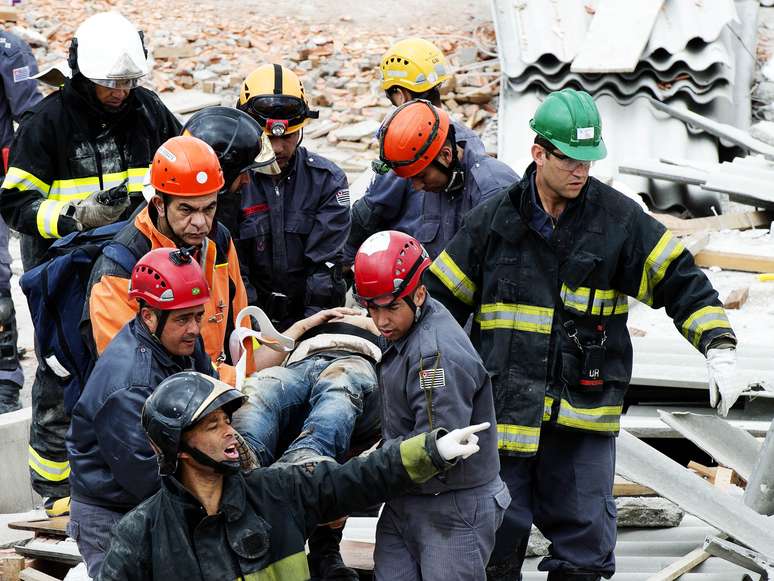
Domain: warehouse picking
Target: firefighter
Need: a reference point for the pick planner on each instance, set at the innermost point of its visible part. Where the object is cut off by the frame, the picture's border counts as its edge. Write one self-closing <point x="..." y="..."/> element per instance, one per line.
<point x="417" y="142"/>
<point x="242" y="146"/>
<point x="18" y="93"/>
<point x="412" y="68"/>
<point x="547" y="268"/>
<point x="77" y="162"/>
<point x="185" y="180"/>
<point x="210" y="521"/>
<point x="293" y="225"/>
<point x="430" y="376"/>
<point x="114" y="470"/>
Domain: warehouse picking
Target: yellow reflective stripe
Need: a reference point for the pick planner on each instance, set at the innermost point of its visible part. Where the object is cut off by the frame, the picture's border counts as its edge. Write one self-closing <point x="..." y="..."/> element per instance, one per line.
<point x="48" y="469"/>
<point x="80" y="188"/>
<point x="24" y="181"/>
<point x="703" y="320"/>
<point x="453" y="278"/>
<point x="221" y="265"/>
<point x="656" y="264"/>
<point x="292" y="567"/>
<point x="548" y="403"/>
<point x="598" y="419"/>
<point x="517" y="438"/>
<point x="604" y="299"/>
<point x="47" y="218"/>
<point x="515" y="316"/>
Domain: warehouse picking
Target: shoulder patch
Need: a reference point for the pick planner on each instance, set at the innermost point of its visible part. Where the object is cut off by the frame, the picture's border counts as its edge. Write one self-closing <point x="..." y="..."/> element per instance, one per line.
<point x="432" y="378"/>
<point x="21" y="74"/>
<point x="342" y="197"/>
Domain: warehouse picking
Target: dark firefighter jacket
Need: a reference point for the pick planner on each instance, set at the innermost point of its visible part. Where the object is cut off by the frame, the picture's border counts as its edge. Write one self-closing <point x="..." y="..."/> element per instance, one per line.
<point x="530" y="295"/>
<point x="289" y="230"/>
<point x="67" y="148"/>
<point x="112" y="463"/>
<point x="264" y="519"/>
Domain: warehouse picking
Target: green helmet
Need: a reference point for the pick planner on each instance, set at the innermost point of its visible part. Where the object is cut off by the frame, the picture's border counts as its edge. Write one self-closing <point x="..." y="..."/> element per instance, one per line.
<point x="569" y="119"/>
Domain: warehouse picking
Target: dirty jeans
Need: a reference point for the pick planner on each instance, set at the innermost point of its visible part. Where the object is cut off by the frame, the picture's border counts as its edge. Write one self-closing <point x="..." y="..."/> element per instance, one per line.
<point x="567" y="491"/>
<point x="91" y="527"/>
<point x="439" y="537"/>
<point x="314" y="403"/>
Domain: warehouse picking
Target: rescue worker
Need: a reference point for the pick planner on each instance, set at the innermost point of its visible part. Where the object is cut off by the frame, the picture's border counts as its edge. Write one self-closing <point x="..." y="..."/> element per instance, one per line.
<point x="113" y="468"/>
<point x="294" y="225"/>
<point x="417" y="142"/>
<point x="211" y="522"/>
<point x="77" y="162"/>
<point x="413" y="68"/>
<point x="430" y="376"/>
<point x="546" y="268"/>
<point x="241" y="146"/>
<point x="18" y="93"/>
<point x="185" y="179"/>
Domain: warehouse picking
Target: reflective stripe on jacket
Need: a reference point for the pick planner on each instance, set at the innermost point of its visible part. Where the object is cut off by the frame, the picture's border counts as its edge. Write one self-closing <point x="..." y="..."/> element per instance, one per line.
<point x="522" y="289"/>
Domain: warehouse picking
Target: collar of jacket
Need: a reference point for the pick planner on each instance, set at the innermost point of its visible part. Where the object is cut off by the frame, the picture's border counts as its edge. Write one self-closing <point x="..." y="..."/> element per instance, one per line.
<point x="160" y="354"/>
<point x="426" y="309"/>
<point x="232" y="501"/>
<point x="145" y="223"/>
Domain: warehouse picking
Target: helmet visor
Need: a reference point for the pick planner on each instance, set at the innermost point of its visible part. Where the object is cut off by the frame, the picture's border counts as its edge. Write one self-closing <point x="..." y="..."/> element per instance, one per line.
<point x="122" y="84"/>
<point x="281" y="107"/>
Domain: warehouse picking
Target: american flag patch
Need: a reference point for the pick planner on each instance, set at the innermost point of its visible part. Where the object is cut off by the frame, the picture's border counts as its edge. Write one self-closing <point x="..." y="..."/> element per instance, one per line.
<point x="342" y="197"/>
<point x="432" y="378"/>
<point x="21" y="74"/>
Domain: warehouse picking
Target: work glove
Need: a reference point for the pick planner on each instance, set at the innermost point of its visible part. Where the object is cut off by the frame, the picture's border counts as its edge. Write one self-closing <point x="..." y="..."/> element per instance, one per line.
<point x="460" y="443"/>
<point x="725" y="386"/>
<point x="100" y="208"/>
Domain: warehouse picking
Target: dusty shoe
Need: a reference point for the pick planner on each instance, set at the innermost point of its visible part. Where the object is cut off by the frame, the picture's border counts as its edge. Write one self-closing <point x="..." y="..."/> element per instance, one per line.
<point x="303" y="456"/>
<point x="9" y="397"/>
<point x="56" y="506"/>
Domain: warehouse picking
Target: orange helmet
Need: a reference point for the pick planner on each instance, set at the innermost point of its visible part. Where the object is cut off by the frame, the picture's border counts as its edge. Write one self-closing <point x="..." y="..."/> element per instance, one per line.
<point x="411" y="138"/>
<point x="186" y="166"/>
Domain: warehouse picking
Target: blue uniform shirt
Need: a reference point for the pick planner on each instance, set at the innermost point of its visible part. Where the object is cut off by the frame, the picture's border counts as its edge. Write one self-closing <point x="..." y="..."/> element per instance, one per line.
<point x="18" y="91"/>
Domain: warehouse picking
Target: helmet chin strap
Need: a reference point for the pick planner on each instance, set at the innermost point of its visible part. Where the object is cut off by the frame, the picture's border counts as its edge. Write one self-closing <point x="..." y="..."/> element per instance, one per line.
<point x="454" y="171"/>
<point x="224" y="467"/>
<point x="414" y="308"/>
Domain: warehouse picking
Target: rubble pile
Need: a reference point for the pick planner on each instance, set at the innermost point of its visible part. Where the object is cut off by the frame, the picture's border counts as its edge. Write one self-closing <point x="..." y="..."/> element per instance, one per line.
<point x="210" y="50"/>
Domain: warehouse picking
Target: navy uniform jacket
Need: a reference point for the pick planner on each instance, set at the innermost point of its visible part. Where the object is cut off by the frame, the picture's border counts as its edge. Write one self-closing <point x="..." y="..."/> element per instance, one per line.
<point x="436" y="354"/>
<point x="18" y="91"/>
<point x="390" y="203"/>
<point x="309" y="207"/>
<point x="112" y="463"/>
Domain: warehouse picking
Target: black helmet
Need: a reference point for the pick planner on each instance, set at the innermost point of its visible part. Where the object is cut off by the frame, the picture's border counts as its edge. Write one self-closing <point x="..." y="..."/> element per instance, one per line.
<point x="176" y="405"/>
<point x="237" y="139"/>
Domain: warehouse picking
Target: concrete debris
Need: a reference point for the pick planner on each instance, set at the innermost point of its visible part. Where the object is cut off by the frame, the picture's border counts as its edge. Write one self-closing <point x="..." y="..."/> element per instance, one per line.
<point x="647" y="512"/>
<point x="736" y="298"/>
<point x="538" y="545"/>
<point x="357" y="131"/>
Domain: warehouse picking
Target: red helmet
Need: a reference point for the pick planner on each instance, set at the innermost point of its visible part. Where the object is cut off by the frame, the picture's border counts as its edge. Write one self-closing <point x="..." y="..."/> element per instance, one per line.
<point x="388" y="267"/>
<point x="186" y="166"/>
<point x="168" y="279"/>
<point x="411" y="138"/>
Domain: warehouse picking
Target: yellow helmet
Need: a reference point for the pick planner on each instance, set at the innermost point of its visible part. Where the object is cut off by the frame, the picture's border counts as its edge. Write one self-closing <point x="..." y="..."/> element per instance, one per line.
<point x="414" y="64"/>
<point x="274" y="96"/>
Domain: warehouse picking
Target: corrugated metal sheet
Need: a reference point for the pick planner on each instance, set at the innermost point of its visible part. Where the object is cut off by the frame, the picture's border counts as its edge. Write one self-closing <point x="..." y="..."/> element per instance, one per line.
<point x="682" y="21"/>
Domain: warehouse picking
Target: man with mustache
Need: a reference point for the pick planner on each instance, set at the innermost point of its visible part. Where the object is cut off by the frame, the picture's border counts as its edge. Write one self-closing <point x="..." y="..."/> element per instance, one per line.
<point x="185" y="180"/>
<point x="113" y="468"/>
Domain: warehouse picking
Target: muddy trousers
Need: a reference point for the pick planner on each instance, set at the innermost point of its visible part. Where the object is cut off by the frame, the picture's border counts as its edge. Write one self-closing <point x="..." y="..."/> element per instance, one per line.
<point x="49" y="468"/>
<point x="567" y="491"/>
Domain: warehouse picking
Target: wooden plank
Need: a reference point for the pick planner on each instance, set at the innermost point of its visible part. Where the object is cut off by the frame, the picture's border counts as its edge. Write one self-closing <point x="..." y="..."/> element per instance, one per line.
<point x="735" y="221"/>
<point x="616" y="36"/>
<point x="623" y="487"/>
<point x="35" y="575"/>
<point x="735" y="261"/>
<point x="723" y="478"/>
<point x="681" y="566"/>
<point x="10" y="566"/>
<point x="695" y="243"/>
<point x="736" y="298"/>
<point x="9" y="14"/>
<point x="53" y="526"/>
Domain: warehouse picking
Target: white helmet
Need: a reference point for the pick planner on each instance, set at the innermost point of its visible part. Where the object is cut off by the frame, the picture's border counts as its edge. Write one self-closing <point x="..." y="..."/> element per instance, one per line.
<point x="108" y="50"/>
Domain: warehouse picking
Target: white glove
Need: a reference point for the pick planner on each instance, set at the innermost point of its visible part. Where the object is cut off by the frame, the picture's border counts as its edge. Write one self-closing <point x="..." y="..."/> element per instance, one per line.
<point x="725" y="385"/>
<point x="460" y="443"/>
<point x="100" y="208"/>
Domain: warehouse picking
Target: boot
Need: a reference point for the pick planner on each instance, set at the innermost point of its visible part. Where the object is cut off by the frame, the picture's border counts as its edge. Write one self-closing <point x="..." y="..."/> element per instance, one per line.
<point x="325" y="562"/>
<point x="573" y="575"/>
<point x="9" y="397"/>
